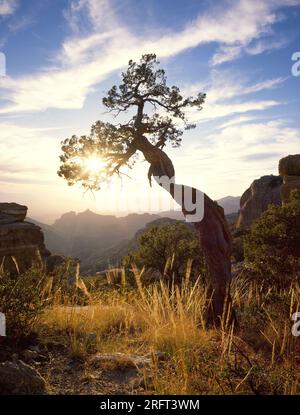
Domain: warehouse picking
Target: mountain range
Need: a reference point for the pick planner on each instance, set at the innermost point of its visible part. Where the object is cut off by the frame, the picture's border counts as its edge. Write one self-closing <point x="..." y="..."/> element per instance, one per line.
<point x="99" y="240"/>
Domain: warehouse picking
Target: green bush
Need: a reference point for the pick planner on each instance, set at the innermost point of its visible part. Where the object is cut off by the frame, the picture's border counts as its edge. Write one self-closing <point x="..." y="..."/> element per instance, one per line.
<point x="23" y="297"/>
<point x="272" y="248"/>
<point x="21" y="300"/>
<point x="172" y="244"/>
<point x="238" y="240"/>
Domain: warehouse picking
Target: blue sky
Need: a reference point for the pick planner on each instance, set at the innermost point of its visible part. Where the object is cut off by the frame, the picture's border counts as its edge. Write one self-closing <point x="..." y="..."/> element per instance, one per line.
<point x="62" y="55"/>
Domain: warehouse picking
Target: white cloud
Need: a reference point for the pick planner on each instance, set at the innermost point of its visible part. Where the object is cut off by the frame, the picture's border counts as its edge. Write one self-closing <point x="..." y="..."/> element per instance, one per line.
<point x="226" y="53"/>
<point x="20" y="23"/>
<point x="226" y="85"/>
<point x="214" y="111"/>
<point x="265" y="45"/>
<point x="238" y="141"/>
<point x="231" y="158"/>
<point x="22" y="152"/>
<point x="259" y="24"/>
<point x="237" y="121"/>
<point x="8" y="7"/>
<point x="226" y="93"/>
<point x="85" y="60"/>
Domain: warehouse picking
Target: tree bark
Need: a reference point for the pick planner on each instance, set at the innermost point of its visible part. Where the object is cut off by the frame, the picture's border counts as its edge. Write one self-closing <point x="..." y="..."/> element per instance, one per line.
<point x="213" y="232"/>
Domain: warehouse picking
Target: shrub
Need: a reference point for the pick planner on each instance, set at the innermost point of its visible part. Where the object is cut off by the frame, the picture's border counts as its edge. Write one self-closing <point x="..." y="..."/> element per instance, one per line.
<point x="272" y="248"/>
<point x="21" y="300"/>
<point x="23" y="297"/>
<point x="168" y="249"/>
<point x="238" y="240"/>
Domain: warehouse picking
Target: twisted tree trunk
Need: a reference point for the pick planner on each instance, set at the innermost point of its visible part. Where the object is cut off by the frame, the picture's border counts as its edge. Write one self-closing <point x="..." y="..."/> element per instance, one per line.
<point x="213" y="231"/>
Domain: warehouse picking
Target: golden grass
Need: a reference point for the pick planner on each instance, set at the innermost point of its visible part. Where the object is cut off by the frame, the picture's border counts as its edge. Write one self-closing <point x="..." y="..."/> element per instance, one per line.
<point x="258" y="357"/>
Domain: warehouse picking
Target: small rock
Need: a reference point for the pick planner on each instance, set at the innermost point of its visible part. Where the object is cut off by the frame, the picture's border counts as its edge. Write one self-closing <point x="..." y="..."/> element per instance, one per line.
<point x="122" y="360"/>
<point x="35" y="348"/>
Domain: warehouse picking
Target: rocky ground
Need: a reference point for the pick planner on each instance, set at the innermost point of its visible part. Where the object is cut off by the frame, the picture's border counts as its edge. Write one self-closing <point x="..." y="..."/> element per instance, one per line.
<point x="51" y="370"/>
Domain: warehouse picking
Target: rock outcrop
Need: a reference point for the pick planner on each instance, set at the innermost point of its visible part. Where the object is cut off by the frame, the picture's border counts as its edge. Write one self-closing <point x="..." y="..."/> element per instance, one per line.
<point x="257" y="198"/>
<point x="18" y="378"/>
<point x="21" y="243"/>
<point x="12" y="212"/>
<point x="289" y="169"/>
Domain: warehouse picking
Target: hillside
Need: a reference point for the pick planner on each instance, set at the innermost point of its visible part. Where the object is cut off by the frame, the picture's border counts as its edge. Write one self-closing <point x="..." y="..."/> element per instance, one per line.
<point x="87" y="235"/>
<point x="112" y="256"/>
<point x="54" y="241"/>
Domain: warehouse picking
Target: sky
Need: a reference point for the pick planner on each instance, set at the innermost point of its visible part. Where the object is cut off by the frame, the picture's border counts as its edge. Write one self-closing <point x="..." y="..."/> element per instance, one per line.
<point x="61" y="56"/>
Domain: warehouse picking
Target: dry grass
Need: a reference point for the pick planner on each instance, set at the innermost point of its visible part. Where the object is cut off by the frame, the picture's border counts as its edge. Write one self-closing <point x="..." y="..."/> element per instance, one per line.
<point x="258" y="357"/>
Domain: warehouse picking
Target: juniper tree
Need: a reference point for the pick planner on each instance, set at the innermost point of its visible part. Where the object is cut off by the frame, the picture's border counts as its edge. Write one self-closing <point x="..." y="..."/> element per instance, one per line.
<point x="157" y="115"/>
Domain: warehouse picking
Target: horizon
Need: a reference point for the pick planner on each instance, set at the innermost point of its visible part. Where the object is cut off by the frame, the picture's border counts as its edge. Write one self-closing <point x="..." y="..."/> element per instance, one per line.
<point x="55" y="80"/>
<point x="51" y="220"/>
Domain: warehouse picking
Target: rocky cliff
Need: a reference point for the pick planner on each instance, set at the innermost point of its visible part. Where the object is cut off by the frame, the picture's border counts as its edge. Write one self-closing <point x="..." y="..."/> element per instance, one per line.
<point x="289" y="169"/>
<point x="21" y="243"/>
<point x="257" y="198"/>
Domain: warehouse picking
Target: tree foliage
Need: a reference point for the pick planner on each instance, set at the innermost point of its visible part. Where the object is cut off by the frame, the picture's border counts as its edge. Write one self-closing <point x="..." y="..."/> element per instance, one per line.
<point x="155" y="111"/>
<point x="272" y="248"/>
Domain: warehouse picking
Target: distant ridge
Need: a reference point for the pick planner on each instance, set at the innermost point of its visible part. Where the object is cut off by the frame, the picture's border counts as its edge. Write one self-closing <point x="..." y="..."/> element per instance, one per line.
<point x="230" y="204"/>
<point x="90" y="236"/>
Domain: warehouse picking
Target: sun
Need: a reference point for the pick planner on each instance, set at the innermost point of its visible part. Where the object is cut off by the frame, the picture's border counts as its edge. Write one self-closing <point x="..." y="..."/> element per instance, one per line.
<point x="94" y="164"/>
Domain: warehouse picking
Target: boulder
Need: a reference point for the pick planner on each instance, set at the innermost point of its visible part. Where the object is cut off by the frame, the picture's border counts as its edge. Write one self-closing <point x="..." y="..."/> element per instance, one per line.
<point x="290" y="165"/>
<point x="257" y="198"/>
<point x="289" y="169"/>
<point x="21" y="243"/>
<point x="289" y="183"/>
<point x="18" y="378"/>
<point x="13" y="211"/>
